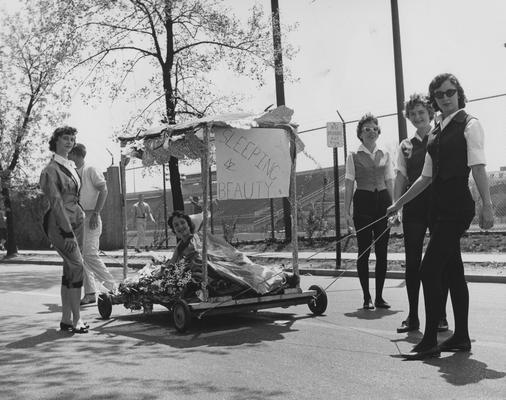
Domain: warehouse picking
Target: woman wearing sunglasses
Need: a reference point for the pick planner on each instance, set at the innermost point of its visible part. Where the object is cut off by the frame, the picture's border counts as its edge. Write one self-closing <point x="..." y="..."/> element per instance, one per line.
<point x="454" y="149"/>
<point x="415" y="215"/>
<point x="370" y="167"/>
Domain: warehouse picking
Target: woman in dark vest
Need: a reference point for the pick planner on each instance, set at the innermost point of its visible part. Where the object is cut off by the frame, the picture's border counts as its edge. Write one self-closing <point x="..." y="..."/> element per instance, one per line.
<point x="454" y="149"/>
<point x="370" y="167"/>
<point x="415" y="214"/>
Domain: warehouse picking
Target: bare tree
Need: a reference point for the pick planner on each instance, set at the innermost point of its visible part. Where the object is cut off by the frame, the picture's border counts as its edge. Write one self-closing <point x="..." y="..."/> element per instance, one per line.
<point x="37" y="42"/>
<point x="181" y="43"/>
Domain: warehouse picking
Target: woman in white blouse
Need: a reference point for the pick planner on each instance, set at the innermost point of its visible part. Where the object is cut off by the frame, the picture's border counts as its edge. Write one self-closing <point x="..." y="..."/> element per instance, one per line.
<point x="454" y="149"/>
<point x="370" y="167"/>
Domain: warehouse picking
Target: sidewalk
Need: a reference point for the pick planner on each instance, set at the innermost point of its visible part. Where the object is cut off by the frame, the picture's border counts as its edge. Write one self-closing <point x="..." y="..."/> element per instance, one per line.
<point x="478" y="265"/>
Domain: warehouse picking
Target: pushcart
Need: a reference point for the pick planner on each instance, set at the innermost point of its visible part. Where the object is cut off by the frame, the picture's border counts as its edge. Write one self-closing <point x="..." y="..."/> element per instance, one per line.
<point x="199" y="139"/>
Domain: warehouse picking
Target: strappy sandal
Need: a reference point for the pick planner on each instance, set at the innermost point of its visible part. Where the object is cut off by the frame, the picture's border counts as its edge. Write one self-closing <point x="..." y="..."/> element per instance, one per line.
<point x="81" y="329"/>
<point x="68" y="327"/>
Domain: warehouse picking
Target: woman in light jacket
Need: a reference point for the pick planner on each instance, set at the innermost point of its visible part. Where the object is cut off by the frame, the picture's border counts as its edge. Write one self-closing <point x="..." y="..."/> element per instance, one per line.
<point x="63" y="224"/>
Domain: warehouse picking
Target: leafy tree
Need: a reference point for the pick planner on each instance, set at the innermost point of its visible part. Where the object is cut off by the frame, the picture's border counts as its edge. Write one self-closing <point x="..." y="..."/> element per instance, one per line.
<point x="178" y="45"/>
<point x="36" y="43"/>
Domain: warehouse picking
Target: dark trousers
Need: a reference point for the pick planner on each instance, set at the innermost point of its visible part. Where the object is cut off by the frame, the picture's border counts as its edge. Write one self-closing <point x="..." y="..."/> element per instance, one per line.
<point x="414" y="235"/>
<point x="368" y="207"/>
<point x="441" y="265"/>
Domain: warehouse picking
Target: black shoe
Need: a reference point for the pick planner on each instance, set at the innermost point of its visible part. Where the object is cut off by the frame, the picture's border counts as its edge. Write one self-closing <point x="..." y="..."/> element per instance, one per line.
<point x="409" y="325"/>
<point x="430" y="352"/>
<point x="381" y="304"/>
<point x="452" y="344"/>
<point x="368" y="305"/>
<point x="443" y="325"/>
<point x="66" y="327"/>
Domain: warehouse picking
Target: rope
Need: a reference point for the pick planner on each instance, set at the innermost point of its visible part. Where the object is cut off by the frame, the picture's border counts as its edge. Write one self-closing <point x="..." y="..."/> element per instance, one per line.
<point x="346" y="236"/>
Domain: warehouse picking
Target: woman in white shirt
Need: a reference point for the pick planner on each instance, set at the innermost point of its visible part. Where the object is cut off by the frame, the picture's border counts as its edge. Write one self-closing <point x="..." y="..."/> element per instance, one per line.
<point x="370" y="167"/>
<point x="454" y="149"/>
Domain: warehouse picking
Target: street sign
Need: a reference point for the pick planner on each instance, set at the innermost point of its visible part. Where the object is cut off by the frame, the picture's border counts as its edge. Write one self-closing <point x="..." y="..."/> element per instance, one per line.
<point x="335" y="135"/>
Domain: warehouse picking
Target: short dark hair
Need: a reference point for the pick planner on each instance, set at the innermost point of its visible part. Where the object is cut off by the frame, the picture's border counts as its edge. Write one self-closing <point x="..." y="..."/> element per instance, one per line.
<point x="58" y="132"/>
<point x="79" y="150"/>
<point x="365" y="119"/>
<point x="438" y="81"/>
<point x="419" y="99"/>
<point x="180" y="214"/>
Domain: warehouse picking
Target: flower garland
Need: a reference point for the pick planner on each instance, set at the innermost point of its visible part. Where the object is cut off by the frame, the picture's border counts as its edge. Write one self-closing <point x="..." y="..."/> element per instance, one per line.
<point x="158" y="282"/>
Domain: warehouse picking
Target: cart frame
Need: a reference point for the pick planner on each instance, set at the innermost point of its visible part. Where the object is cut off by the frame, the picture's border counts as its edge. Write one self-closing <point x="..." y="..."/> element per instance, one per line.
<point x="182" y="310"/>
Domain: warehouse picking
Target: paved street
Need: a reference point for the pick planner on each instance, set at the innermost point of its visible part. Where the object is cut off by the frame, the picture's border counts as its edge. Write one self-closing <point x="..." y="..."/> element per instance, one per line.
<point x="276" y="354"/>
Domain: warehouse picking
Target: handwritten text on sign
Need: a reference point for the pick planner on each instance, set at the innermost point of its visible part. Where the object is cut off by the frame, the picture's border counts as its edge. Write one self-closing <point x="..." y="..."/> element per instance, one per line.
<point x="252" y="163"/>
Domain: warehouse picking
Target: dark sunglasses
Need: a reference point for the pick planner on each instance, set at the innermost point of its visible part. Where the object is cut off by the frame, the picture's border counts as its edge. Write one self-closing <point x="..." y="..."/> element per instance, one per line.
<point x="449" y="93"/>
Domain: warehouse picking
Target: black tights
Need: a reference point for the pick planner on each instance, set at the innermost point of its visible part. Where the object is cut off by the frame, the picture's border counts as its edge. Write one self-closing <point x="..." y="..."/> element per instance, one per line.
<point x="443" y="263"/>
<point x="368" y="207"/>
<point x="414" y="234"/>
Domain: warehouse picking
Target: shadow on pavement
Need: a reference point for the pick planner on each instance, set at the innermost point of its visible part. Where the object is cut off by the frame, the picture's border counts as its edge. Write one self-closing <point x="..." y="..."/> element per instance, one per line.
<point x="459" y="369"/>
<point x="371" y="314"/>
<point x="212" y="331"/>
<point x="50" y="335"/>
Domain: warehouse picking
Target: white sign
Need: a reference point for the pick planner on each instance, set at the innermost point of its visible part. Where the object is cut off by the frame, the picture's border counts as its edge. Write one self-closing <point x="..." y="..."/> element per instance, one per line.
<point x="252" y="163"/>
<point x="335" y="134"/>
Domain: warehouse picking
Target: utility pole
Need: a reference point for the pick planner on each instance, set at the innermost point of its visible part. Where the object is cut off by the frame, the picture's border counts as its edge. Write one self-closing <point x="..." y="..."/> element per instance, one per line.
<point x="280" y="98"/>
<point x="399" y="82"/>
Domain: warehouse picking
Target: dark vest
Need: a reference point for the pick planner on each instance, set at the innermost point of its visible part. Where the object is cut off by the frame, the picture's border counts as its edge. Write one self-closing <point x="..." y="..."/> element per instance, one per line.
<point x="417" y="210"/>
<point x="414" y="164"/>
<point x="452" y="199"/>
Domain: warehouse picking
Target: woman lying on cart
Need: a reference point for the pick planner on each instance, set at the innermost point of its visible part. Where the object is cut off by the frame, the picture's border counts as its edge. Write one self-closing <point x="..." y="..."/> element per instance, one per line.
<point x="230" y="272"/>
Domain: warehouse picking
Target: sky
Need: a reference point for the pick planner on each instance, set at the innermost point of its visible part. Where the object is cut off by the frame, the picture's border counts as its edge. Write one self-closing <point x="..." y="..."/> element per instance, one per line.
<point x="345" y="62"/>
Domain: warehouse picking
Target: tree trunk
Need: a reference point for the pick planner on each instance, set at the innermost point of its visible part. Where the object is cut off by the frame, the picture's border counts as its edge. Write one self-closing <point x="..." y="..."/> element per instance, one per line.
<point x="11" y="246"/>
<point x="175" y="184"/>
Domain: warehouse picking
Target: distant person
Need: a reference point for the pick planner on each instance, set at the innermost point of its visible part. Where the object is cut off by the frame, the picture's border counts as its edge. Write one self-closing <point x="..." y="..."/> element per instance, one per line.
<point x="92" y="198"/>
<point x="63" y="224"/>
<point x="141" y="213"/>
<point x="3" y="230"/>
<point x="415" y="214"/>
<point x="370" y="167"/>
<point x="454" y="149"/>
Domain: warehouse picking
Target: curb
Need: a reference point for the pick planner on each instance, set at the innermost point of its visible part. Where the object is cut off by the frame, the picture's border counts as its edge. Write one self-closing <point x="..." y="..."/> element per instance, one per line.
<point x="303" y="271"/>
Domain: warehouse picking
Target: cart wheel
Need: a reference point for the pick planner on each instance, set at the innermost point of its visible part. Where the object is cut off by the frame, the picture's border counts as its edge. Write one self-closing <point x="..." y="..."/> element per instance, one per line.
<point x="182" y="315"/>
<point x="104" y="305"/>
<point x="318" y="304"/>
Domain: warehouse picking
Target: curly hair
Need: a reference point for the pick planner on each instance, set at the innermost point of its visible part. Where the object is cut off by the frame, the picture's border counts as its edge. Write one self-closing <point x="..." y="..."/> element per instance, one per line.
<point x="438" y="81"/>
<point x="365" y="119"/>
<point x="419" y="99"/>
<point x="59" y="132"/>
<point x="180" y="214"/>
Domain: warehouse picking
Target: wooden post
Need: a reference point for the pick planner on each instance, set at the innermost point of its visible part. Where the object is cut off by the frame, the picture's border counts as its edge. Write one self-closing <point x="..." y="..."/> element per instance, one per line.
<point x="122" y="165"/>
<point x="293" y="201"/>
<point x="204" y="167"/>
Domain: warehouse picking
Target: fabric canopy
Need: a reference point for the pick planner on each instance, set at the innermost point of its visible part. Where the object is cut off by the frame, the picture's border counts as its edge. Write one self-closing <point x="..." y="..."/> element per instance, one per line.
<point x="156" y="145"/>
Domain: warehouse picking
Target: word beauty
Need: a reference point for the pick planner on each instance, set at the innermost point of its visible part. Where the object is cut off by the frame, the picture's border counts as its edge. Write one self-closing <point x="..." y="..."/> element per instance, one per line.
<point x="252" y="163"/>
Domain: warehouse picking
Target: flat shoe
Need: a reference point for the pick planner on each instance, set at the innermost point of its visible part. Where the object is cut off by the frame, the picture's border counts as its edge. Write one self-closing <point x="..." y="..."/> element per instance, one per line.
<point x="66" y="327"/>
<point x="381" y="304"/>
<point x="85" y="301"/>
<point x="407" y="326"/>
<point x="443" y="325"/>
<point x="368" y="305"/>
<point x="451" y="345"/>
<point x="431" y="352"/>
